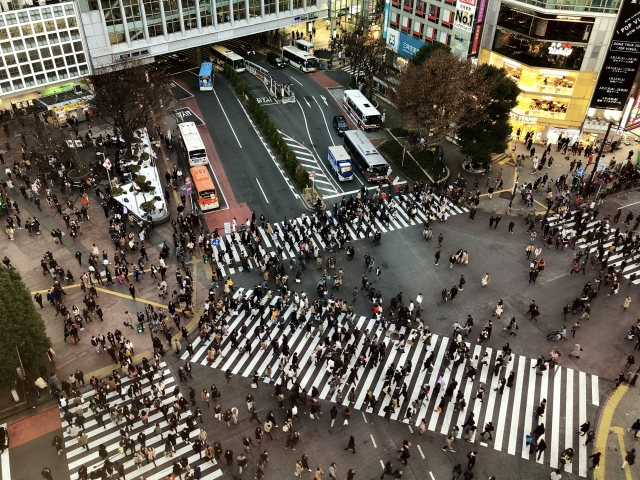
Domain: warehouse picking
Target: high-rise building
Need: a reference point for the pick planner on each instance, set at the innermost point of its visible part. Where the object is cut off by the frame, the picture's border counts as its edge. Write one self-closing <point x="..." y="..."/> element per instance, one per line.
<point x="40" y="46"/>
<point x="559" y="52"/>
<point x="50" y="45"/>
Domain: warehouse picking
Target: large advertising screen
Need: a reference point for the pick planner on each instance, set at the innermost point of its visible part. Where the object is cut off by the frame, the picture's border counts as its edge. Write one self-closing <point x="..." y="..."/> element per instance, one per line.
<point x="621" y="64"/>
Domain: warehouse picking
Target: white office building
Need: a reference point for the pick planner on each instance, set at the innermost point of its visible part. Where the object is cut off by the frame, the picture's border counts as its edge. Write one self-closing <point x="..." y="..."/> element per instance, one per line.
<point x="40" y="46"/>
<point x="53" y="45"/>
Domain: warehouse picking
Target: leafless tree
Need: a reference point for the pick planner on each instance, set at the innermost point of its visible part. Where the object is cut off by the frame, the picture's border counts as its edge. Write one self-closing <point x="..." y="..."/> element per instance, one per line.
<point x="129" y="96"/>
<point x="442" y="95"/>
<point x="365" y="53"/>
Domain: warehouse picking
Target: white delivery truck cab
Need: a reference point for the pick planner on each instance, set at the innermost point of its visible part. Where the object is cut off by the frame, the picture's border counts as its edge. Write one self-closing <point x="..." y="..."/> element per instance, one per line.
<point x="341" y="163"/>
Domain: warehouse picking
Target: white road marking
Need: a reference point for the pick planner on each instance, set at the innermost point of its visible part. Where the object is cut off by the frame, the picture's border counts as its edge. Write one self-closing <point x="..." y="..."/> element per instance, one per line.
<point x="225" y="116"/>
<point x="296" y="81"/>
<point x="365" y="418"/>
<point x="420" y="450"/>
<point x="374" y="442"/>
<point x="265" y="195"/>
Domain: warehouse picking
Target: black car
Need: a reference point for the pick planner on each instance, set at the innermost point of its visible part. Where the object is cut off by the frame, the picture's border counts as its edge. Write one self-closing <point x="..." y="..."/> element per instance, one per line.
<point x="340" y="124"/>
<point x="160" y="60"/>
<point x="246" y="49"/>
<point x="177" y="57"/>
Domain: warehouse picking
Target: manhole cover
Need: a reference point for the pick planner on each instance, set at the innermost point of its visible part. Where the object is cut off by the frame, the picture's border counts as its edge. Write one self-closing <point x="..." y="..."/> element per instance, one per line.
<point x="506" y="195"/>
<point x="393" y="335"/>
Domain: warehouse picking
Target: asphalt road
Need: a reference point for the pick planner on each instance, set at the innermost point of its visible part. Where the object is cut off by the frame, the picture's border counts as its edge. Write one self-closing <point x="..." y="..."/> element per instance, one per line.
<point x="250" y="169"/>
<point x="309" y="120"/>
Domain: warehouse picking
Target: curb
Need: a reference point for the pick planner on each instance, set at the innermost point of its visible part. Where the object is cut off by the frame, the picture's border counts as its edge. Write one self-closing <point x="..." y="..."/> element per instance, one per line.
<point x="604" y="427"/>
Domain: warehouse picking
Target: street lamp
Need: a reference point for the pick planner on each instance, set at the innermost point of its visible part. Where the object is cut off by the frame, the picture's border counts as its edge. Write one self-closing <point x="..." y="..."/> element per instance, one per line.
<point x="635" y="377"/>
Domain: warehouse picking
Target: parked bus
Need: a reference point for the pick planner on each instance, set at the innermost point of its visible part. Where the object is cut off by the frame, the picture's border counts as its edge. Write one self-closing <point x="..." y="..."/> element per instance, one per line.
<point x="366" y="115"/>
<point x="222" y="56"/>
<point x="192" y="144"/>
<point x="204" y="188"/>
<point x="364" y="155"/>
<point x="300" y="59"/>
<point x="306" y="46"/>
<point x="205" y="77"/>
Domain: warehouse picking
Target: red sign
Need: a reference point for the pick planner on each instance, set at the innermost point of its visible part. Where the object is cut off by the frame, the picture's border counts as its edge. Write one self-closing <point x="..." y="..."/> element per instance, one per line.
<point x="471" y="3"/>
<point x="476" y="40"/>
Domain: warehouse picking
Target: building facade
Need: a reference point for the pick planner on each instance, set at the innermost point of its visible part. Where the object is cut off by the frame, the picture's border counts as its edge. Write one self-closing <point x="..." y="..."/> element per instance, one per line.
<point x="555" y="51"/>
<point x="121" y="29"/>
<point x="51" y="47"/>
<point x="40" y="46"/>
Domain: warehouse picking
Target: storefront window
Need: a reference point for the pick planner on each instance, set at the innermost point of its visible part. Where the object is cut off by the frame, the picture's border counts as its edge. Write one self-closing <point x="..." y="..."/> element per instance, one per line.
<point x="564" y="28"/>
<point x="546" y="107"/>
<point x="538" y="53"/>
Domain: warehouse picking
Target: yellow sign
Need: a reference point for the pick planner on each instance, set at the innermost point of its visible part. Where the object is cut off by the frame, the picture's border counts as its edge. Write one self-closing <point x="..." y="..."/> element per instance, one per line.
<point x="67" y="107"/>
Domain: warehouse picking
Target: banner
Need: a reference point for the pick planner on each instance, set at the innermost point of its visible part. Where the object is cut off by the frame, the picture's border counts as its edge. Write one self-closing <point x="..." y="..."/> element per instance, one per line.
<point x="622" y="60"/>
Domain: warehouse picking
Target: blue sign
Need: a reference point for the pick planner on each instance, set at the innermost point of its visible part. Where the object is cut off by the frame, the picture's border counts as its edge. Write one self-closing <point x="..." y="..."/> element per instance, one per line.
<point x="409" y="46"/>
<point x="215" y="242"/>
<point x="387" y="10"/>
<point x="580" y="171"/>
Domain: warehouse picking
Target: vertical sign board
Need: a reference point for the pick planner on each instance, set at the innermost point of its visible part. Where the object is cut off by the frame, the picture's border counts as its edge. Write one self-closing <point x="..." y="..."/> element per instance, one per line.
<point x="385" y="22"/>
<point x="462" y="27"/>
<point x="393" y="39"/>
<point x="622" y="60"/>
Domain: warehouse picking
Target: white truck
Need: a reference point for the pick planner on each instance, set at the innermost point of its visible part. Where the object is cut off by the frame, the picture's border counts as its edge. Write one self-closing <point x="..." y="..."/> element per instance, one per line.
<point x="341" y="163"/>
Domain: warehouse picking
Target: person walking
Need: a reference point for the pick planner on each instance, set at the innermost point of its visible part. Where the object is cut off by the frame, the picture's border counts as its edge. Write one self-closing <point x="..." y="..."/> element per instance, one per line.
<point x="472" y="457"/>
<point x="352" y="444"/>
<point x="440" y="239"/>
<point x="387" y="470"/>
<point x="333" y="471"/>
<point x="318" y="474"/>
<point x="486" y="279"/>
<point x="299" y="469"/>
<point x="595" y="461"/>
<point x="630" y="458"/>
<point x="437" y="256"/>
<point x="627" y="302"/>
<point x="46" y="474"/>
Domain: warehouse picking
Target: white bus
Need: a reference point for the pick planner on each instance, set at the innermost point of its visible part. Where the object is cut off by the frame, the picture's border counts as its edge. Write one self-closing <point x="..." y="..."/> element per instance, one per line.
<point x="300" y="59"/>
<point x="192" y="144"/>
<point x="359" y="107"/>
<point x="365" y="156"/>
<point x="306" y="46"/>
<point x="221" y="56"/>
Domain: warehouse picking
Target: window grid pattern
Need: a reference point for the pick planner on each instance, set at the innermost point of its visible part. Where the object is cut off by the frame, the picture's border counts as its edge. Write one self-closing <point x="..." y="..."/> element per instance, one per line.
<point x="38" y="46"/>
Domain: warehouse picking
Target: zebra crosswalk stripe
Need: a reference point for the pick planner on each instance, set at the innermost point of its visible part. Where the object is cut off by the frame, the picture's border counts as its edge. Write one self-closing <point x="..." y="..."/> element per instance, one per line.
<point x="510" y="412"/>
<point x="109" y="436"/>
<point x="269" y="245"/>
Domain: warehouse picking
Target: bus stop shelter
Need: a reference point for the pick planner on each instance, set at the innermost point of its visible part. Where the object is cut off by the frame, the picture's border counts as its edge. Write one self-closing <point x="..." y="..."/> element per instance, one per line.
<point x="280" y="87"/>
<point x="277" y="83"/>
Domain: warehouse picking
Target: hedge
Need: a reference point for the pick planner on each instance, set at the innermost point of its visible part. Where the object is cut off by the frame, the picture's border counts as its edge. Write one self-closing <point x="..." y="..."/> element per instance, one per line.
<point x="286" y="155"/>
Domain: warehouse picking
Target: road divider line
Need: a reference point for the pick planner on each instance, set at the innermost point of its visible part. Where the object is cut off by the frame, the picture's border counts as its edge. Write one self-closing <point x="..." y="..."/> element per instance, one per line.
<point x="324" y="118"/>
<point x="374" y="442"/>
<point x="228" y="121"/>
<point x="265" y="195"/>
<point x="420" y="450"/>
<point x="299" y="83"/>
<point x="365" y="418"/>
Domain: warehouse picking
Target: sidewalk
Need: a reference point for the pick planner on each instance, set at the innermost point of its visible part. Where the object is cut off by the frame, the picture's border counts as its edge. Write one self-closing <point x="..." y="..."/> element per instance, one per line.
<point x="612" y="439"/>
<point x="25" y="254"/>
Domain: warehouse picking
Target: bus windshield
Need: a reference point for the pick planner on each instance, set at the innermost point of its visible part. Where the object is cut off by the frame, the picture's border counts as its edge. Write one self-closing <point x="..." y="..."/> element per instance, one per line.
<point x="197" y="155"/>
<point x="208" y="194"/>
<point x="238" y="64"/>
<point x="373" y="119"/>
<point x="312" y="63"/>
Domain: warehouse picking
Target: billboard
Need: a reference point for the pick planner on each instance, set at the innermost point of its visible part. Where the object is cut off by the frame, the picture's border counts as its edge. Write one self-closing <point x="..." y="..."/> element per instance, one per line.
<point x="408" y="46"/>
<point x="462" y="27"/>
<point x="622" y="60"/>
<point x="393" y="39"/>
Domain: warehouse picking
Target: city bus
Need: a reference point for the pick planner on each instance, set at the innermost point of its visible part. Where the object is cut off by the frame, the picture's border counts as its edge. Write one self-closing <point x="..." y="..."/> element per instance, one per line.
<point x="222" y="56"/>
<point x="192" y="144"/>
<point x="359" y="107"/>
<point x="300" y="59"/>
<point x="364" y="155"/>
<point x="204" y="188"/>
<point x="306" y="46"/>
<point x="205" y="77"/>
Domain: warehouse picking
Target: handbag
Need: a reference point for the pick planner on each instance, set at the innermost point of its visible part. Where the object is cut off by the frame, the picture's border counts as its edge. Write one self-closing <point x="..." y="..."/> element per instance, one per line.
<point x="285" y="427"/>
<point x="254" y="385"/>
<point x="346" y="421"/>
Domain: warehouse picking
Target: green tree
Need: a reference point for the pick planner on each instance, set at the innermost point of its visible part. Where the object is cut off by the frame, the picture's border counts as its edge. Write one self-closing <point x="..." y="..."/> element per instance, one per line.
<point x="21" y="326"/>
<point x="491" y="136"/>
<point x="427" y="50"/>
